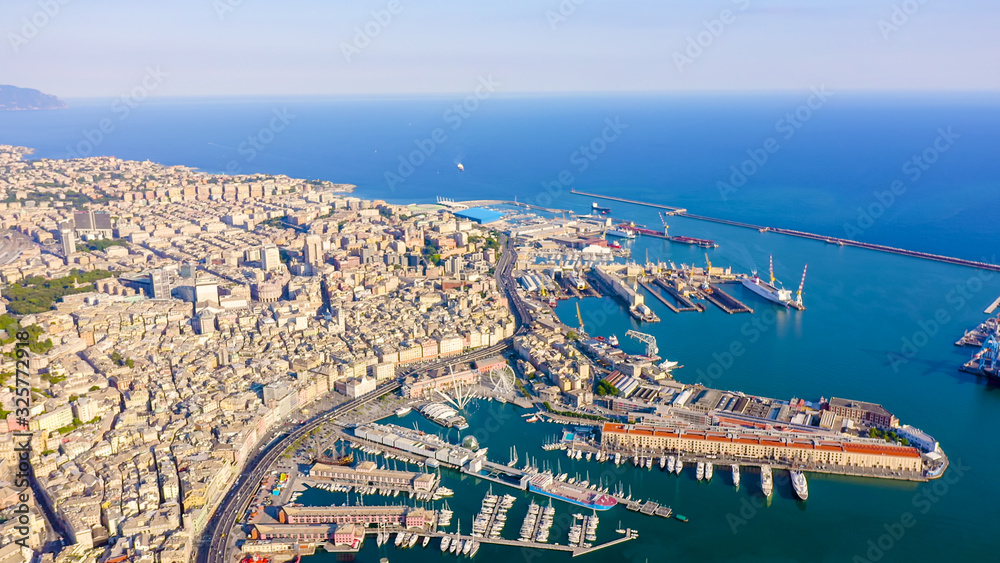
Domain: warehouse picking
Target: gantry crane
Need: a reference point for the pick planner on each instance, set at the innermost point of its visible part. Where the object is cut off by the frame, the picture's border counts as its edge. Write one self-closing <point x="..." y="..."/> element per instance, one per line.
<point x="649" y="339"/>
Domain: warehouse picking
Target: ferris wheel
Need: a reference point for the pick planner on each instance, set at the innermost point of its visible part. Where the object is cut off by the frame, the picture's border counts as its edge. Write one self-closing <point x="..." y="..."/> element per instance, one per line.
<point x="502" y="379"/>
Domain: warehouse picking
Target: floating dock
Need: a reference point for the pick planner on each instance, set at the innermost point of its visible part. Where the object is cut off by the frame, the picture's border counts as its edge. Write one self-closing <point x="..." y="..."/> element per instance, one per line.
<point x="662" y="299"/>
<point x="993" y="306"/>
<point x="726" y="302"/>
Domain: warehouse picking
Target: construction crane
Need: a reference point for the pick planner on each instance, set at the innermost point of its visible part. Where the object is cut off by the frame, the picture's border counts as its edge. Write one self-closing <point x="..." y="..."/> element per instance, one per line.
<point x="770" y="267"/>
<point x="798" y="295"/>
<point x="579" y="317"/>
<point x="648" y="339"/>
<point x="708" y="275"/>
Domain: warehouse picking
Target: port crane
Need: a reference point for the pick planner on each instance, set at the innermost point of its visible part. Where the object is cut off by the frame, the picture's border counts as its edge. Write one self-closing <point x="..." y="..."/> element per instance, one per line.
<point x="663" y="219"/>
<point x="798" y="294"/>
<point x="579" y="318"/>
<point x="648" y="339"/>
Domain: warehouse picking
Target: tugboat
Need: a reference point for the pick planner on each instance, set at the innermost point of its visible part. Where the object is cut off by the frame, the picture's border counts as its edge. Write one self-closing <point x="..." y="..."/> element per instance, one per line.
<point x="799" y="484"/>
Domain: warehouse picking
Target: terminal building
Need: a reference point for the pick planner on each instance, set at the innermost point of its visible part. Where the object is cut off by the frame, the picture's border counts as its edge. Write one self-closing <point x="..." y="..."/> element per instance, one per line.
<point x="828" y="450"/>
<point x="367" y="474"/>
<point x="405" y="516"/>
<point x="346" y="534"/>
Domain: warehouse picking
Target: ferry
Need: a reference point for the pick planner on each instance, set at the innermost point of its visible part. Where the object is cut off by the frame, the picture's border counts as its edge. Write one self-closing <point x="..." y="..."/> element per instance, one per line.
<point x="736" y="475"/>
<point x="621" y="233"/>
<point x="766" y="482"/>
<point x="799" y="484"/>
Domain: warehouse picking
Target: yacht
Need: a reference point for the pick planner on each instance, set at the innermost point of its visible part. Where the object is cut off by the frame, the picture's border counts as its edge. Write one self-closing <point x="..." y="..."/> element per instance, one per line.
<point x="455" y="545"/>
<point x="799" y="484"/>
<point x="679" y="467"/>
<point x="663" y="462"/>
<point x="618" y="458"/>
<point x="412" y="540"/>
<point x="671" y="463"/>
<point x="467" y="547"/>
<point x="736" y="475"/>
<point x="766" y="482"/>
<point x="427" y="540"/>
<point x="399" y="539"/>
<point x="445" y="540"/>
<point x="701" y="470"/>
<point x="709" y="470"/>
<point x="475" y="549"/>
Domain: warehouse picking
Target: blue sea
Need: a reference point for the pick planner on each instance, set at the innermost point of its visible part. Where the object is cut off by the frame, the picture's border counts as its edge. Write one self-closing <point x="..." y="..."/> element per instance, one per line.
<point x="915" y="171"/>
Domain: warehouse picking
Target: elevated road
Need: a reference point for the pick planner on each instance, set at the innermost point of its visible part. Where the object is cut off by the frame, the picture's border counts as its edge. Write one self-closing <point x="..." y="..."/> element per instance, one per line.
<point x="217" y="532"/>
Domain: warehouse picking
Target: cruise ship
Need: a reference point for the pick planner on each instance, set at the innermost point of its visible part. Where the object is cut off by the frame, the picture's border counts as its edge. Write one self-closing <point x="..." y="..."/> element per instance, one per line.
<point x="799" y="484"/>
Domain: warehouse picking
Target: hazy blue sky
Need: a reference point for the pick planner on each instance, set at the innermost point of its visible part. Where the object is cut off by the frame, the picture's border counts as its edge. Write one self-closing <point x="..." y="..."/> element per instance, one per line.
<point x="220" y="47"/>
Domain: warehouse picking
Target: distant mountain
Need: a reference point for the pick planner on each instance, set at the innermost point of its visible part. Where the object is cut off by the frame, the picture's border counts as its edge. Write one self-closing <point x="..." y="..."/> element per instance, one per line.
<point x="14" y="98"/>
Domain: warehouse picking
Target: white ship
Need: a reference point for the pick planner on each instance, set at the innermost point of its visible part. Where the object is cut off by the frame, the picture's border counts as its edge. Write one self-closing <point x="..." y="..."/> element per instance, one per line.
<point x="671" y="463"/>
<point x="799" y="484"/>
<point x="679" y="467"/>
<point x="613" y="340"/>
<point x="709" y="470"/>
<point x="773" y="293"/>
<point x="461" y="168"/>
<point x="445" y="540"/>
<point x="736" y="475"/>
<point x="701" y="470"/>
<point x="766" y="482"/>
<point x="620" y="233"/>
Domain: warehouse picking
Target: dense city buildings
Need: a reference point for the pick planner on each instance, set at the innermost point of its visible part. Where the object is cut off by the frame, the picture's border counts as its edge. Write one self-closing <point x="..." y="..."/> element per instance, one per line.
<point x="228" y="303"/>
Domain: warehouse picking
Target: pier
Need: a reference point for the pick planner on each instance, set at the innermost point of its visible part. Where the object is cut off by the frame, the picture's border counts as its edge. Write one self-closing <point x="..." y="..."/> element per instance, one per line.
<point x="662" y="299"/>
<point x="672" y="210"/>
<point x="688" y="305"/>
<point x="993" y="306"/>
<point x="681" y="212"/>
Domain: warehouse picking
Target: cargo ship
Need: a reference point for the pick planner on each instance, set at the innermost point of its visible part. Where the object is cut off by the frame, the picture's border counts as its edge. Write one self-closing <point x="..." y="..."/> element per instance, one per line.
<point x="545" y="484"/>
<point x="598" y="210"/>
<point x="704" y="243"/>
